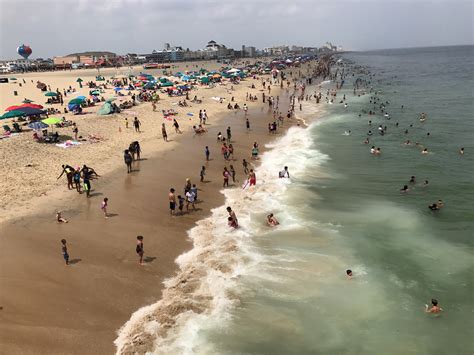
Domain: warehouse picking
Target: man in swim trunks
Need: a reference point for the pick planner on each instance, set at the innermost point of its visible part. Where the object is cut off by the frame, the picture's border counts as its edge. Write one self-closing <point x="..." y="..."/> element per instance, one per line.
<point x="172" y="201"/>
<point x="252" y="178"/>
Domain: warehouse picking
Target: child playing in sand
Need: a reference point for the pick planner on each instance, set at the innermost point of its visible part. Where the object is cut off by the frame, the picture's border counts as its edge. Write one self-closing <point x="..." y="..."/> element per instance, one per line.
<point x="103" y="207"/>
<point x="59" y="218"/>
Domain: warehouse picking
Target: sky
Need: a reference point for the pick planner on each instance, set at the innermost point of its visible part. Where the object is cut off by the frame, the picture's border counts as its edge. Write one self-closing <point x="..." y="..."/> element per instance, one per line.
<point x="60" y="27"/>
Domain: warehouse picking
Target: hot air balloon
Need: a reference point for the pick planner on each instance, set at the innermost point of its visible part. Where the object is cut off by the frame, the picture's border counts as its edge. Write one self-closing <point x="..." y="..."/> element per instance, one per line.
<point x="24" y="51"/>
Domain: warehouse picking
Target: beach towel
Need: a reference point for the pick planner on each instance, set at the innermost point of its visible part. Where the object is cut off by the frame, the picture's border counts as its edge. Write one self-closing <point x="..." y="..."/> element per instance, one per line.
<point x="68" y="144"/>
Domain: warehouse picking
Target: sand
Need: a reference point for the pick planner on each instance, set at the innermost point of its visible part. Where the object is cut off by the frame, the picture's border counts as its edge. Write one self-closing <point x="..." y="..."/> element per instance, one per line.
<point x="50" y="308"/>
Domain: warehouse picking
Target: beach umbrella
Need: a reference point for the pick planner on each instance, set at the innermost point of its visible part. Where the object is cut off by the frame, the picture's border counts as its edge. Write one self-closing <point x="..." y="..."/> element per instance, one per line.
<point x="12" y="79"/>
<point x="111" y="99"/>
<point x="27" y="101"/>
<point x="29" y="111"/>
<point x="117" y="89"/>
<point x="11" y="114"/>
<point x="81" y="97"/>
<point x="76" y="101"/>
<point x="79" y="80"/>
<point x="52" y="120"/>
<point x="11" y="108"/>
<point x="51" y="93"/>
<point x="95" y="92"/>
<point x="38" y="125"/>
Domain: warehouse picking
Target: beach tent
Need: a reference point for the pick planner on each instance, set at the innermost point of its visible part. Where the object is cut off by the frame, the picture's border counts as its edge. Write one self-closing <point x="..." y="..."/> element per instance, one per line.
<point x="73" y="107"/>
<point x="106" y="109"/>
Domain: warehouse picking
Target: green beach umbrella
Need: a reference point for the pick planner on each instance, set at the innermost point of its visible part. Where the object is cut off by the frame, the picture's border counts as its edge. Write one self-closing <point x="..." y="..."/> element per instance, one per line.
<point x="51" y="93"/>
<point x="79" y="80"/>
<point x="76" y="101"/>
<point x="111" y="99"/>
<point x="12" y="78"/>
<point x="11" y="114"/>
<point x="52" y="120"/>
<point x="27" y="101"/>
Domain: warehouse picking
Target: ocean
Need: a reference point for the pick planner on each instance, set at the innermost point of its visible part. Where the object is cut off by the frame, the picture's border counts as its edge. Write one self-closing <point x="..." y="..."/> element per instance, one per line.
<point x="284" y="290"/>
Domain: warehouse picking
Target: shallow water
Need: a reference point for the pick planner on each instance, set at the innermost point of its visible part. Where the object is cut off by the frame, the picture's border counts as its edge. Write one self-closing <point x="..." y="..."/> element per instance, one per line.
<point x="284" y="290"/>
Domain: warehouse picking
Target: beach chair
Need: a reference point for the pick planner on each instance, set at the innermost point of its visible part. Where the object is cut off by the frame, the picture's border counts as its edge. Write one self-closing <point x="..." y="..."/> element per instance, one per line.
<point x="7" y="129"/>
<point x="17" y="127"/>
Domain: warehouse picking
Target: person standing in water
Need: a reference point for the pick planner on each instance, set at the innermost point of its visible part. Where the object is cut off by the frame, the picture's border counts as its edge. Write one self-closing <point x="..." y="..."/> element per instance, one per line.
<point x="140" y="249"/>
<point x="284" y="173"/>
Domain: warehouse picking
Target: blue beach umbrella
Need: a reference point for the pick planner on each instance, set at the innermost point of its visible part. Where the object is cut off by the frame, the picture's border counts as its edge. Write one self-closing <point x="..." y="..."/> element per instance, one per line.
<point x="38" y="125"/>
<point x="117" y="89"/>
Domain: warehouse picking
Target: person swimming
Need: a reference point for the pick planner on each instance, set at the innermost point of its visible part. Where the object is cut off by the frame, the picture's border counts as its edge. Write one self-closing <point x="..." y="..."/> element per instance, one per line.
<point x="349" y="273"/>
<point x="272" y="221"/>
<point x="404" y="188"/>
<point x="435" y="307"/>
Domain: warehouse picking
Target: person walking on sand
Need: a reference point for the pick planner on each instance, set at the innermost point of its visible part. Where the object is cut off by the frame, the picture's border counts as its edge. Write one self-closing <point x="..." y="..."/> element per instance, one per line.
<point x="176" y="126"/>
<point x="127" y="157"/>
<point x="172" y="201"/>
<point x="136" y="124"/>
<point x="103" y="207"/>
<point x="229" y="134"/>
<point x="207" y="153"/>
<point x="140" y="249"/>
<point x="69" y="170"/>
<point x="247" y="124"/>
<point x="163" y="132"/>
<point x="64" y="251"/>
<point x="203" y="172"/>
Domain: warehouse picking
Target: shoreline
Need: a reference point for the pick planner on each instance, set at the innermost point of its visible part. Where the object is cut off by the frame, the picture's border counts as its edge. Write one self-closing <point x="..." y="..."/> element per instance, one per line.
<point x="39" y="299"/>
<point x="46" y="245"/>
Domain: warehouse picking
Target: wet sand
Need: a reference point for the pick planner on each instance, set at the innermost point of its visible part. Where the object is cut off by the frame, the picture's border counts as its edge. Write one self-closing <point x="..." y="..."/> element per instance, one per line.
<point x="50" y="308"/>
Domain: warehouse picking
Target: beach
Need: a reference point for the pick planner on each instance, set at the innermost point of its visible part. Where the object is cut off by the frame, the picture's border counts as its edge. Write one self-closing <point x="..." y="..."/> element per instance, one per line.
<point x="48" y="307"/>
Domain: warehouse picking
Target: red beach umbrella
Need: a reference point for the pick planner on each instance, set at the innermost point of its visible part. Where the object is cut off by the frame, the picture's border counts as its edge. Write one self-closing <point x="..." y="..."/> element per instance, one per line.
<point x="12" y="108"/>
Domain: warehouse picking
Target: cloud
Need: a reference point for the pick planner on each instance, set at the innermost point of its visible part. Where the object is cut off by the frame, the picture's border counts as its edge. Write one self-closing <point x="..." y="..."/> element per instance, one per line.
<point x="59" y="27"/>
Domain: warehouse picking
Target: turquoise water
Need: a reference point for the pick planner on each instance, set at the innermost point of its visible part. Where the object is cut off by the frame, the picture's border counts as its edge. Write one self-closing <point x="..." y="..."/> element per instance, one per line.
<point x="284" y="290"/>
<point x="346" y="212"/>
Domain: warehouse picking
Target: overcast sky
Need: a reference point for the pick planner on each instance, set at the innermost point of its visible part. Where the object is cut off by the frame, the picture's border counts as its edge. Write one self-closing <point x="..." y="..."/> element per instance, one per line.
<point x="60" y="27"/>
